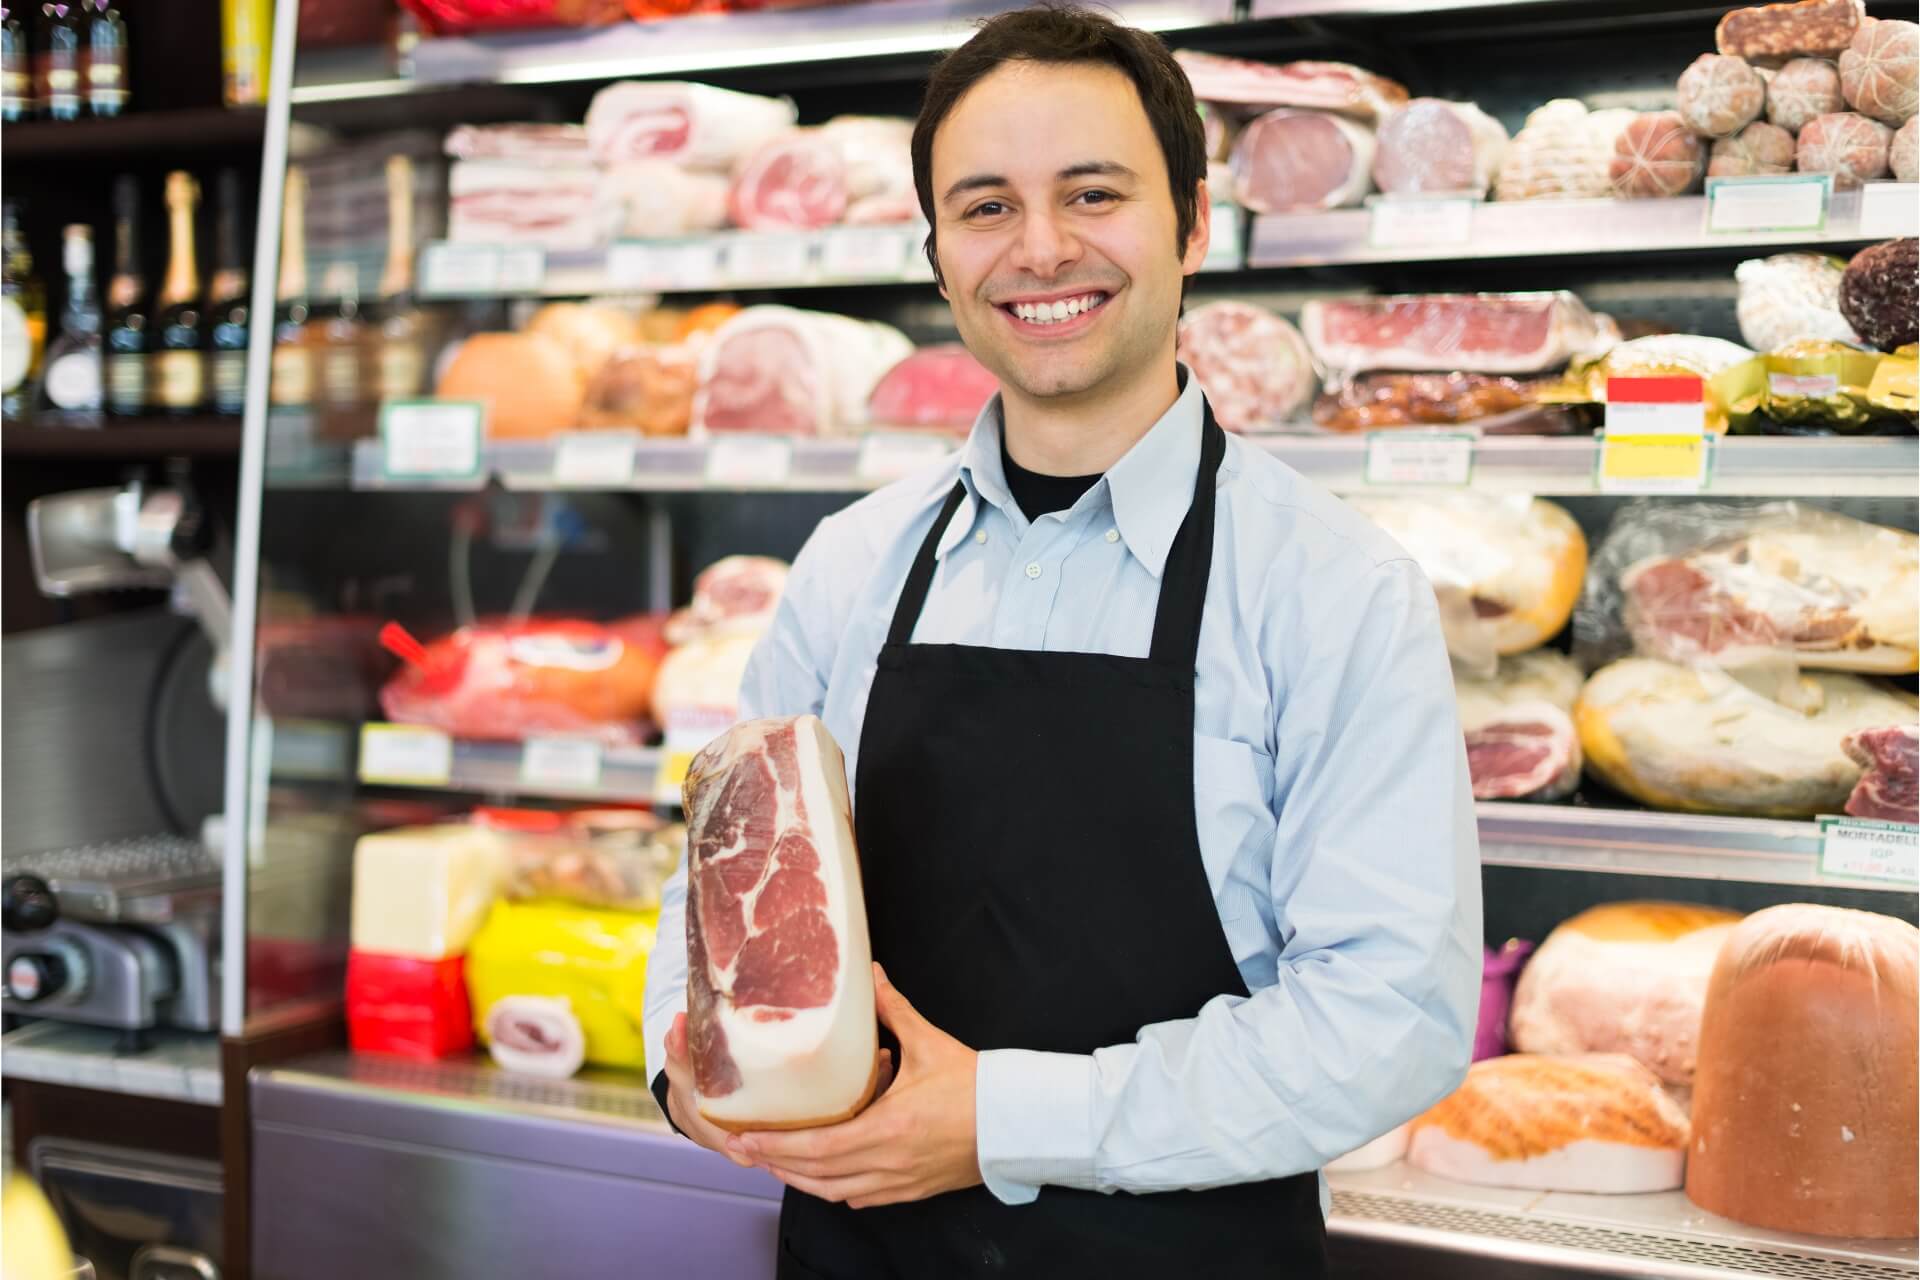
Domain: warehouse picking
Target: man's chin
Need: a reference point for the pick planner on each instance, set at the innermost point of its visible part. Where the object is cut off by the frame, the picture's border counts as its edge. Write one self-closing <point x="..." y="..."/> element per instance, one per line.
<point x="1051" y="380"/>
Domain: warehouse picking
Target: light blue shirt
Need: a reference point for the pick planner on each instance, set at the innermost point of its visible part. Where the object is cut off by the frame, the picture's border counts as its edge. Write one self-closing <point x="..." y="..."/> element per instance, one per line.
<point x="1330" y="781"/>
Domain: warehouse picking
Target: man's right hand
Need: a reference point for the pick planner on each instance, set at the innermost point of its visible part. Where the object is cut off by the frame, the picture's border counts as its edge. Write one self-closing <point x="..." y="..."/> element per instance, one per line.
<point x="680" y="1103"/>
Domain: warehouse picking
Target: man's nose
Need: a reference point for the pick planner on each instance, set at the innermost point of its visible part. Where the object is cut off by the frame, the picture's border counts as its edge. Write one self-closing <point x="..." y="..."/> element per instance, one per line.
<point x="1045" y="244"/>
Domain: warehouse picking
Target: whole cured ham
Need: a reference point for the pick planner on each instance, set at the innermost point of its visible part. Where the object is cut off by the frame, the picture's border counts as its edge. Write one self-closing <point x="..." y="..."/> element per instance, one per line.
<point x="782" y="370"/>
<point x="1801" y="90"/>
<point x="793" y="182"/>
<point x="1804" y="1106"/>
<point x="696" y="125"/>
<point x="1880" y="71"/>
<point x="1889" y="786"/>
<point x="780" y="1004"/>
<point x="1701" y="741"/>
<point x="1597" y="1123"/>
<point x="1563" y="152"/>
<point x="644" y="387"/>
<point x="1292" y="160"/>
<point x="1432" y="145"/>
<point x="1521" y="742"/>
<point x="1623" y="977"/>
<point x="1847" y="145"/>
<point x="1253" y="365"/>
<point x="731" y="596"/>
<point x="1323" y="86"/>
<point x="1720" y="95"/>
<point x="1656" y="155"/>
<point x="1450" y="332"/>
<point x="1759" y="150"/>
<point x="940" y="388"/>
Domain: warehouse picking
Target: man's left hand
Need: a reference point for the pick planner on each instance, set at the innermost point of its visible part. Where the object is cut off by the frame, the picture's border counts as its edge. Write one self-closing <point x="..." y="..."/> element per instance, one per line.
<point x="915" y="1140"/>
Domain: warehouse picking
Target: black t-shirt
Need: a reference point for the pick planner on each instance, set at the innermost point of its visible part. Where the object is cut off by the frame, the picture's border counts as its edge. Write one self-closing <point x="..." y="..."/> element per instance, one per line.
<point x="1038" y="494"/>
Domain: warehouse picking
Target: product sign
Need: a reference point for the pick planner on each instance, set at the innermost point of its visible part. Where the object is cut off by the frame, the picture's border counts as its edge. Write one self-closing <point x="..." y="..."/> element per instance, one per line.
<point x="688" y="730"/>
<point x="637" y="265"/>
<point x="1857" y="849"/>
<point x="1421" y="222"/>
<point x="1889" y="209"/>
<point x="888" y="455"/>
<point x="863" y="253"/>
<point x="1655" y="439"/>
<point x="477" y="270"/>
<point x="1224" y="238"/>
<point x="748" y="461"/>
<point x="1792" y="202"/>
<point x="770" y="259"/>
<point x="431" y="439"/>
<point x="1420" y="458"/>
<point x="570" y="764"/>
<point x="405" y="755"/>
<point x="595" y="459"/>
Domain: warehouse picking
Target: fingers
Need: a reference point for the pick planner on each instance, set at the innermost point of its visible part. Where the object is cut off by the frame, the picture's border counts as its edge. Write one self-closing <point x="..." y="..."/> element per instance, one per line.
<point x="677" y="1037"/>
<point x="885" y="1073"/>
<point x="857" y="1190"/>
<point x="895" y="1013"/>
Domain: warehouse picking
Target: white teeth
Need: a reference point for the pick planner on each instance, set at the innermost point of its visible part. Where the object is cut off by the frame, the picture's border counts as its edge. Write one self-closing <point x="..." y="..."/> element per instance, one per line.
<point x="1060" y="311"/>
<point x="1055" y="312"/>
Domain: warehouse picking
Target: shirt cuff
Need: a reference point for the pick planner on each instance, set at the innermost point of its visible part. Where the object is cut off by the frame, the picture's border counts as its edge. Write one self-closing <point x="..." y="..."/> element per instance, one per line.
<point x="1033" y="1121"/>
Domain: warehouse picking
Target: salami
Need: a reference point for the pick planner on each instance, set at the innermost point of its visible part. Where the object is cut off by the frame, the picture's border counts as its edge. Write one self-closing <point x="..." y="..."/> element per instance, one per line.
<point x="1656" y="155"/>
<point x="1720" y="95"/>
<point x="1849" y="146"/>
<point x="1252" y="364"/>
<point x="1768" y="35"/>
<point x="1801" y="90"/>
<point x="1880" y="71"/>
<point x="1903" y="154"/>
<point x="1759" y="149"/>
<point x="1880" y="292"/>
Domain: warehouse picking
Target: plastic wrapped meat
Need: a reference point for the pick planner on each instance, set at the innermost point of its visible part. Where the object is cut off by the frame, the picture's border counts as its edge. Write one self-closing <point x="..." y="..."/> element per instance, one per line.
<point x="1562" y="153"/>
<point x="794" y="181"/>
<point x="460" y="17"/>
<point x="697" y="125"/>
<point x="1725" y="367"/>
<point x="557" y="208"/>
<point x="592" y="958"/>
<point x="734" y="595"/>
<point x="1521" y="742"/>
<point x="516" y="680"/>
<point x="1253" y="365"/>
<point x="785" y="371"/>
<point x="1322" y="86"/>
<point x="1788" y="297"/>
<point x="646" y="388"/>
<point x="615" y="858"/>
<point x="1431" y="145"/>
<point x="658" y="199"/>
<point x="878" y="154"/>
<point x="1492" y="405"/>
<point x="1889" y="786"/>
<point x="1447" y="333"/>
<point x="1294" y="160"/>
<point x="940" y="388"/>
<point x="555" y="144"/>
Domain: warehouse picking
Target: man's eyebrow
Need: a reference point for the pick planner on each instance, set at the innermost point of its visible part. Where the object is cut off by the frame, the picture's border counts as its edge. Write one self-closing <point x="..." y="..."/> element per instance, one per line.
<point x="1085" y="169"/>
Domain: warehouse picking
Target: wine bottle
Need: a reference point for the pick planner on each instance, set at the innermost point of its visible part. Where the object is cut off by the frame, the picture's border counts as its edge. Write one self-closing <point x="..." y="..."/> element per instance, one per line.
<point x="400" y="368"/>
<point x="59" y="60"/>
<point x="292" y="380"/>
<point x="343" y="337"/>
<point x="179" y="370"/>
<point x="73" y="383"/>
<point x="105" y="62"/>
<point x="126" y="341"/>
<point x="23" y="319"/>
<point x="227" y="303"/>
<point x="17" y="97"/>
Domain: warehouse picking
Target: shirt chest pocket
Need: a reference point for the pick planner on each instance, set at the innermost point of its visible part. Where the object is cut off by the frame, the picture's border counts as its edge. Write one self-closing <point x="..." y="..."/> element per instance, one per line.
<point x="1232" y="791"/>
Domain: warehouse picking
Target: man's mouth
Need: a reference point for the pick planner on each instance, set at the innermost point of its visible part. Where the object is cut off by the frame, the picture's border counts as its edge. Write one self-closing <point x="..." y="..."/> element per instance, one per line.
<point x="1056" y="311"/>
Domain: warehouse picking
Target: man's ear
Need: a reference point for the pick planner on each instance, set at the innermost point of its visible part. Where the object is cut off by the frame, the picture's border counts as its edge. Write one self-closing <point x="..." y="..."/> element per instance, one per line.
<point x="1201" y="237"/>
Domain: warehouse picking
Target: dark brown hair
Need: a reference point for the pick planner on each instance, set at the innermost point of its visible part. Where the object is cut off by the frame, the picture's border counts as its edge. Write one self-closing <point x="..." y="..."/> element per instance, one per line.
<point x="1065" y="34"/>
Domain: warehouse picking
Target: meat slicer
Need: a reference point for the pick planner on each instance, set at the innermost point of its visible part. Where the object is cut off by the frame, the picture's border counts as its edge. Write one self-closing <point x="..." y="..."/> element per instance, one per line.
<point x="109" y="882"/>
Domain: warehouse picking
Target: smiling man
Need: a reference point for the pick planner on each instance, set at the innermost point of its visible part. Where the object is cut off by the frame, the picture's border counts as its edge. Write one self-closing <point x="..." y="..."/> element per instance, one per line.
<point x="1161" y="799"/>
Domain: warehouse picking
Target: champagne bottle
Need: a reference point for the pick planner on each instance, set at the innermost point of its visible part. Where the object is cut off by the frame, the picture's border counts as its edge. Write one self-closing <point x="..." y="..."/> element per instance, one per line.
<point x="59" y="59"/>
<point x="23" y="318"/>
<point x="126" y="341"/>
<point x="401" y="366"/>
<point x="105" y="62"/>
<point x="292" y="381"/>
<point x="179" y="369"/>
<point x="73" y="383"/>
<point x="227" y="303"/>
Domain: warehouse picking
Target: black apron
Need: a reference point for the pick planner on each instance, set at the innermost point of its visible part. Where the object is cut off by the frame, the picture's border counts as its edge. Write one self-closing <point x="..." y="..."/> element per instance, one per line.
<point x="1034" y="881"/>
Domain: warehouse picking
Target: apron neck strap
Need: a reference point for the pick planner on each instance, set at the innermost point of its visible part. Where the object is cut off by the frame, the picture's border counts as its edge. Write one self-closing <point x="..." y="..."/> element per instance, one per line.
<point x="1183" y="582"/>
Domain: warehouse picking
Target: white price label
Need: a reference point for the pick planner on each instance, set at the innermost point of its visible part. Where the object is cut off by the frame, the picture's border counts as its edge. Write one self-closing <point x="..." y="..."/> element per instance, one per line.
<point x="1889" y="209"/>
<point x="459" y="270"/>
<point x="523" y="269"/>
<point x="888" y="455"/>
<point x="697" y="265"/>
<point x="1419" y="458"/>
<point x="1863" y="850"/>
<point x="572" y="764"/>
<point x="405" y="755"/>
<point x="431" y="438"/>
<point x="770" y="259"/>
<point x="1224" y="239"/>
<point x="863" y="253"/>
<point x="639" y="266"/>
<point x="1795" y="202"/>
<point x="1808" y="384"/>
<point x="596" y="459"/>
<point x="748" y="461"/>
<point x="1421" y="223"/>
<point x="1655" y="439"/>
<point x="917" y="267"/>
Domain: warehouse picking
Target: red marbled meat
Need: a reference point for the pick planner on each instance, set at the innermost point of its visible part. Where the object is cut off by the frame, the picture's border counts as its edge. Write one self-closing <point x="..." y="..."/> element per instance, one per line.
<point x="1889" y="790"/>
<point x="780" y="990"/>
<point x="1469" y="333"/>
<point x="1509" y="760"/>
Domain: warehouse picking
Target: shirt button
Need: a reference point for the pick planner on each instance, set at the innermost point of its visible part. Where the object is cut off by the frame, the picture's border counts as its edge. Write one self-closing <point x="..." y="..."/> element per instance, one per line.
<point x="1033" y="570"/>
<point x="1113" y="535"/>
<point x="981" y="536"/>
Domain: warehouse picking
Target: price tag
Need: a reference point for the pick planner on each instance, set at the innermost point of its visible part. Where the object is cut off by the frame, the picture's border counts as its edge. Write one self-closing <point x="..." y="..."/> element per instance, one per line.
<point x="1812" y="385"/>
<point x="863" y="253"/>
<point x="917" y="267"/>
<point x="431" y="439"/>
<point x="1419" y="458"/>
<point x="888" y="455"/>
<point x="1655" y="439"/>
<point x="523" y="269"/>
<point x="748" y="461"/>
<point x="697" y="266"/>
<point x="459" y="270"/>
<point x="572" y="764"/>
<point x="1421" y="224"/>
<point x="595" y="459"/>
<point x="1794" y="202"/>
<point x="687" y="731"/>
<point x="635" y="265"/>
<point x="405" y="755"/>
<point x="1224" y="239"/>
<point x="1889" y="209"/>
<point x="770" y="259"/>
<point x="1863" y="850"/>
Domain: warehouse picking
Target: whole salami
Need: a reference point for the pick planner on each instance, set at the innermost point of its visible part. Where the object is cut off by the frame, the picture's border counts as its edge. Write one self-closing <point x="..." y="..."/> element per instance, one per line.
<point x="1760" y="149"/>
<point x="1880" y="71"/>
<point x="1850" y="147"/>
<point x="1253" y="365"/>
<point x="1656" y="155"/>
<point x="1801" y="90"/>
<point x="1880" y="291"/>
<point x="1903" y="155"/>
<point x="1770" y="34"/>
<point x="1720" y="95"/>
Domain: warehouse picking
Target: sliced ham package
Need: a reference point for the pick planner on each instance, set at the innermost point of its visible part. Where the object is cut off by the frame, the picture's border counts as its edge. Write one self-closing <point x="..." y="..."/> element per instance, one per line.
<point x="780" y="1003"/>
<point x="1521" y="743"/>
<point x="792" y="372"/>
<point x="1804" y="1106"/>
<point x="1295" y="160"/>
<point x="1431" y="145"/>
<point x="697" y="125"/>
<point x="1253" y="365"/>
<point x="1493" y="405"/>
<point x="1451" y="332"/>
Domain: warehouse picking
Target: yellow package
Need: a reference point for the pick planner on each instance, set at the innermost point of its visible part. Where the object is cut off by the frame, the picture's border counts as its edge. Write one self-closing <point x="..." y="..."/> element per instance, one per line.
<point x="1822" y="383"/>
<point x="1893" y="386"/>
<point x="594" y="959"/>
<point x="1730" y="371"/>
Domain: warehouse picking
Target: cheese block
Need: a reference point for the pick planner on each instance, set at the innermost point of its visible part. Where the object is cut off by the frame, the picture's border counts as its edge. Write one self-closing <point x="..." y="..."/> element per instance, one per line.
<point x="1804" y="1106"/>
<point x="1623" y="977"/>
<point x="1507" y="569"/>
<point x="1699" y="740"/>
<point x="1594" y="1123"/>
<point x="423" y="892"/>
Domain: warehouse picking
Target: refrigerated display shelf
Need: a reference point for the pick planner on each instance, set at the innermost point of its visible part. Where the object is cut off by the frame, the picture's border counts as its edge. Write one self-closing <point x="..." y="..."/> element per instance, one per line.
<point x="1442" y="230"/>
<point x="324" y="751"/>
<point x="123" y="438"/>
<point x="1662" y="1234"/>
<point x="136" y="133"/>
<point x="1768" y="466"/>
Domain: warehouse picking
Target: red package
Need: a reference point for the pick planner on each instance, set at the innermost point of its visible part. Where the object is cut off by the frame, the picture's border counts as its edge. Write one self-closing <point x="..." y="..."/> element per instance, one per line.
<point x="515" y="680"/>
<point x="461" y="17"/>
<point x="415" y="1008"/>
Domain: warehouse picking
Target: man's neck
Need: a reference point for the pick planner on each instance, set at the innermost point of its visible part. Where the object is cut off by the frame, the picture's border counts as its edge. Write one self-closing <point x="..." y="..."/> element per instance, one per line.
<point x="1086" y="436"/>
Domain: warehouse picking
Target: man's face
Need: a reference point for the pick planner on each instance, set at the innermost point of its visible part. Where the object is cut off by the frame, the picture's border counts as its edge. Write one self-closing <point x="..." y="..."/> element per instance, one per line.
<point x="1055" y="229"/>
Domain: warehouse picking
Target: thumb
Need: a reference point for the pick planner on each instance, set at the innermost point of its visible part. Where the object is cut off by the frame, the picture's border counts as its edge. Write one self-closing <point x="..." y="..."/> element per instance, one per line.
<point x="895" y="1013"/>
<point x="677" y="1037"/>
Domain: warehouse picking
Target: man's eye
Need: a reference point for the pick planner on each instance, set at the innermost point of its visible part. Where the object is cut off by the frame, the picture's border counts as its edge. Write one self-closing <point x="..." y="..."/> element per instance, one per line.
<point x="1096" y="197"/>
<point x="986" y="208"/>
